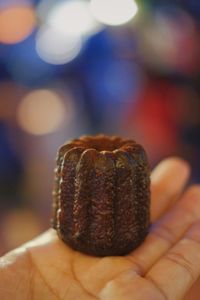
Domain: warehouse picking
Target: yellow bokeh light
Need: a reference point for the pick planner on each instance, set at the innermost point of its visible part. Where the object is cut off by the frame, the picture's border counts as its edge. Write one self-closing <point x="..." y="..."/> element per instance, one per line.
<point x="16" y="23"/>
<point x="41" y="112"/>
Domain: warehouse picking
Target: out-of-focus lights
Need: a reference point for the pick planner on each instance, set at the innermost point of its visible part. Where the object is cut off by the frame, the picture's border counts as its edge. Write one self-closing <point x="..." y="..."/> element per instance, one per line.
<point x="113" y="12"/>
<point x="16" y="23"/>
<point x="162" y="39"/>
<point x="65" y="25"/>
<point x="56" y="48"/>
<point x="73" y="17"/>
<point x="41" y="112"/>
<point x="43" y="8"/>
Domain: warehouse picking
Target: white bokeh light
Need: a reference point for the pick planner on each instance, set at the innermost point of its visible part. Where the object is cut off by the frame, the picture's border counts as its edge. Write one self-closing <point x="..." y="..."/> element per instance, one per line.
<point x="55" y="47"/>
<point x="73" y="17"/>
<point x="113" y="12"/>
<point x="41" y="111"/>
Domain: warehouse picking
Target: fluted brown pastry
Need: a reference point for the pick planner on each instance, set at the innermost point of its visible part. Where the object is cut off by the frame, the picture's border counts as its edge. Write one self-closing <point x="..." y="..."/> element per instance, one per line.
<point x="102" y="195"/>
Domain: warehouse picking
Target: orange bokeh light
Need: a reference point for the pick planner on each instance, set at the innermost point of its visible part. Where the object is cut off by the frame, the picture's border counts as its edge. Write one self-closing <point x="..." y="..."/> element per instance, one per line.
<point x="16" y="23"/>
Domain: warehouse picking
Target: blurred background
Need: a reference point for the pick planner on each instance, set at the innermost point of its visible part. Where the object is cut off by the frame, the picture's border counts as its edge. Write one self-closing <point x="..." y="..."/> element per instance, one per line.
<point x="73" y="67"/>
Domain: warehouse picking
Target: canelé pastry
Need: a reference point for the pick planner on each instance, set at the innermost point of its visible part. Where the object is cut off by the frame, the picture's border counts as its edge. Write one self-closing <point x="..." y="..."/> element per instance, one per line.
<point x="102" y="195"/>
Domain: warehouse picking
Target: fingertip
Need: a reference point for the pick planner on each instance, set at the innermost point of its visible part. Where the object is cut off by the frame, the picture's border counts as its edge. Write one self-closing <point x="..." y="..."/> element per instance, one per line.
<point x="173" y="164"/>
<point x="179" y="163"/>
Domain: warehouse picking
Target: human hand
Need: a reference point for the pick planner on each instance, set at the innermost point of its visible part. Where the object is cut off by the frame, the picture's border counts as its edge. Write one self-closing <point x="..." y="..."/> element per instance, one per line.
<point x="165" y="266"/>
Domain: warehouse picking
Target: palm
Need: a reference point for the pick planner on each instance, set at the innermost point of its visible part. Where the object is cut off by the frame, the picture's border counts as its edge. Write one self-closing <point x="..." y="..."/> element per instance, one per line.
<point x="47" y="269"/>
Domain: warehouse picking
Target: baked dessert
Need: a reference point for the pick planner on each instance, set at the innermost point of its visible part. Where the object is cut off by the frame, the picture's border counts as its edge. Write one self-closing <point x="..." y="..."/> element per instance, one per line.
<point x="102" y="195"/>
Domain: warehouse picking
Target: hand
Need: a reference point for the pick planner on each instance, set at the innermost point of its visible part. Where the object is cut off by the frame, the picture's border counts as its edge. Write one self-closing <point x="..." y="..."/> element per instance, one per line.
<point x="165" y="266"/>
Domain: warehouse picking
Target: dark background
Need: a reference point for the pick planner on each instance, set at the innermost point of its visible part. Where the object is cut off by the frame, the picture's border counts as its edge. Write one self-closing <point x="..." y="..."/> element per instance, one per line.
<point x="139" y="80"/>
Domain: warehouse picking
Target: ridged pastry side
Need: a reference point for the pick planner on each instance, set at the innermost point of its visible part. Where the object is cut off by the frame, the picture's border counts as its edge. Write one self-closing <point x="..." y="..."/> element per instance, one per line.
<point x="101" y="197"/>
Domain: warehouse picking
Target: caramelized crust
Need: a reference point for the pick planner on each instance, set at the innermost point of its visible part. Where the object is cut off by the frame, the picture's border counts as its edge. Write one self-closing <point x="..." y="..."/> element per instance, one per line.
<point x="102" y="195"/>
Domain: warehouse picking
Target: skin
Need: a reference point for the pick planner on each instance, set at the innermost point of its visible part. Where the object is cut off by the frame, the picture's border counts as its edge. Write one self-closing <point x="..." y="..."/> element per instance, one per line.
<point x="165" y="266"/>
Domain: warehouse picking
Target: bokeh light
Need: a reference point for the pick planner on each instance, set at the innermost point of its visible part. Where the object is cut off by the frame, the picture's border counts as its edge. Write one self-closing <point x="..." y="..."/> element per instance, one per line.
<point x="73" y="17"/>
<point x="114" y="12"/>
<point x="55" y="47"/>
<point x="16" y="23"/>
<point x="43" y="8"/>
<point x="41" y="112"/>
<point x="162" y="39"/>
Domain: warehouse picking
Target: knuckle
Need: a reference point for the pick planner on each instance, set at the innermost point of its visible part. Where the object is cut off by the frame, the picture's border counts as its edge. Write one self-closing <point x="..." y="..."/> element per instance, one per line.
<point x="181" y="261"/>
<point x="160" y="292"/>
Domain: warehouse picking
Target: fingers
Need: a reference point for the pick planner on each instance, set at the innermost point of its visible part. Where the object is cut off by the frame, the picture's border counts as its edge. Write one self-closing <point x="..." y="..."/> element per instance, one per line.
<point x="165" y="233"/>
<point x="175" y="273"/>
<point x="169" y="279"/>
<point x="167" y="183"/>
